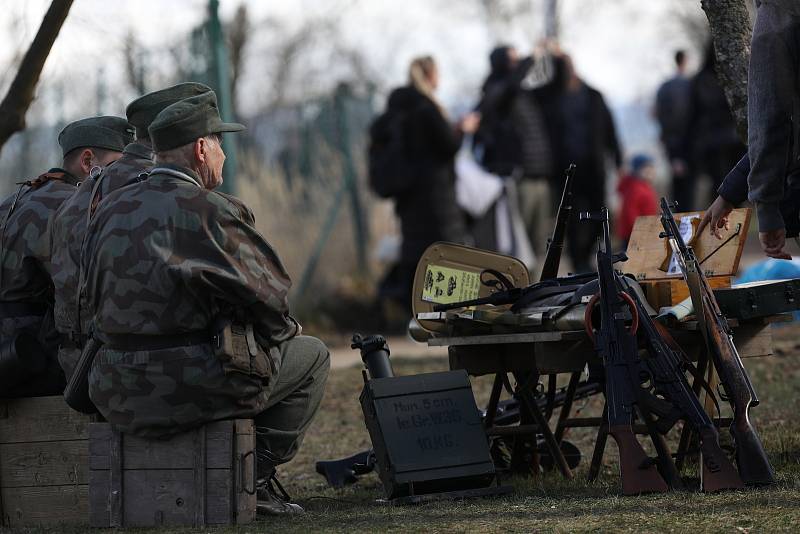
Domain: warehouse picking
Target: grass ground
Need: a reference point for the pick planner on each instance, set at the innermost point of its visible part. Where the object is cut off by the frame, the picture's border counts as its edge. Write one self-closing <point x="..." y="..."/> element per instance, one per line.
<point x="548" y="504"/>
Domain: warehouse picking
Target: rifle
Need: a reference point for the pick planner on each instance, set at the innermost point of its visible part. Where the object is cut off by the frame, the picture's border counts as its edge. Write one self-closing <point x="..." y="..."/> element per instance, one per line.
<point x="619" y="350"/>
<point x="552" y="260"/>
<point x="668" y="380"/>
<point x="519" y="297"/>
<point x="751" y="459"/>
<point x="555" y="244"/>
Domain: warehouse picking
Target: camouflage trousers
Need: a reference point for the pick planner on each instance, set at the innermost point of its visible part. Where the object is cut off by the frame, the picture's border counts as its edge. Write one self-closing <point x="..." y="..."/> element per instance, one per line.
<point x="293" y="401"/>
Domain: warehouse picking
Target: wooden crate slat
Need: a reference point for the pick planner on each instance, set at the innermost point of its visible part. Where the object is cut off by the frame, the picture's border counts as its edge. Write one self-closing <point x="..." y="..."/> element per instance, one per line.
<point x="144" y="453"/>
<point x="160" y="497"/>
<point x="219" y="493"/>
<point x="44" y="464"/>
<point x="100" y="497"/>
<point x="244" y="474"/>
<point x="753" y="340"/>
<point x="40" y="419"/>
<point x="46" y="505"/>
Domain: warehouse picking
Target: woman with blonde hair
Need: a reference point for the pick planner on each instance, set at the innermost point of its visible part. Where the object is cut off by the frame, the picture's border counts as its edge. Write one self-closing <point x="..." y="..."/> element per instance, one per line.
<point x="427" y="206"/>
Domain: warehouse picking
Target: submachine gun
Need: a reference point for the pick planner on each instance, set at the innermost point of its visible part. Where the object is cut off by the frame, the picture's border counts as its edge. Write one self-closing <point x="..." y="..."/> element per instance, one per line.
<point x="751" y="459"/>
<point x="655" y="384"/>
<point x="617" y="345"/>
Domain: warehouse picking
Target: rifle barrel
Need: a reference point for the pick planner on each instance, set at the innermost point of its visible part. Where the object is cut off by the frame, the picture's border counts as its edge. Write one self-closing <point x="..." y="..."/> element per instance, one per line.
<point x="555" y="244"/>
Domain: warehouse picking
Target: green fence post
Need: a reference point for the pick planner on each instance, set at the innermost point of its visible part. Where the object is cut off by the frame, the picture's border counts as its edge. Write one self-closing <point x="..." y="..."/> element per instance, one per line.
<point x="219" y="74"/>
<point x="350" y="176"/>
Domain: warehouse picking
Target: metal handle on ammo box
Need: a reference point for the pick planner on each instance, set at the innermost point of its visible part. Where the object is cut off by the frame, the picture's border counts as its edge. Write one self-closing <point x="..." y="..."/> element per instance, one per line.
<point x="243" y="472"/>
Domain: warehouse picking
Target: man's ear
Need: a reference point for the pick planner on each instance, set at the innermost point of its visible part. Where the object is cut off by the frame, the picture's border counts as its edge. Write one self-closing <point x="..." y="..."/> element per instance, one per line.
<point x="86" y="161"/>
<point x="200" y="150"/>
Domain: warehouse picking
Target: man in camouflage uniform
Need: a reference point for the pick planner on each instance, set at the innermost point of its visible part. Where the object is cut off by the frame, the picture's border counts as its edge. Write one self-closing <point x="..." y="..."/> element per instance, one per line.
<point x="26" y="290"/>
<point x="68" y="227"/>
<point x="190" y="303"/>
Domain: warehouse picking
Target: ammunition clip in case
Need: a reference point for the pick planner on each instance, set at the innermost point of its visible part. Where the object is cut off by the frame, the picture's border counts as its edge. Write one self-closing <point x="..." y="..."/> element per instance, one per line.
<point x="428" y="435"/>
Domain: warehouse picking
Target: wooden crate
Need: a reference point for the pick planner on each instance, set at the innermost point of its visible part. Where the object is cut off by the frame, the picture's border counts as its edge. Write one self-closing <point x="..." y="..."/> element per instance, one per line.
<point x="201" y="477"/>
<point x="661" y="293"/>
<point x="44" y="449"/>
<point x="649" y="254"/>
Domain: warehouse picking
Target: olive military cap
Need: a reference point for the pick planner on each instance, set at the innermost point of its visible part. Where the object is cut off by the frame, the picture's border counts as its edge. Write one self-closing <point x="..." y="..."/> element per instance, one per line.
<point x="111" y="133"/>
<point x="142" y="111"/>
<point x="187" y="120"/>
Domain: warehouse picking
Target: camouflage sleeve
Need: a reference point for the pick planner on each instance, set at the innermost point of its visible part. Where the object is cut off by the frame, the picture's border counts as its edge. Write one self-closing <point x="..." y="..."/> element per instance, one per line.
<point x="241" y="269"/>
<point x="38" y="219"/>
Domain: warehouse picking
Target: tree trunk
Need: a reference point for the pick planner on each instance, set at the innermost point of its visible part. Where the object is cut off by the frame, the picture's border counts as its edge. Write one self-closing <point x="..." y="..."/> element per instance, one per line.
<point x="731" y="31"/>
<point x="20" y="94"/>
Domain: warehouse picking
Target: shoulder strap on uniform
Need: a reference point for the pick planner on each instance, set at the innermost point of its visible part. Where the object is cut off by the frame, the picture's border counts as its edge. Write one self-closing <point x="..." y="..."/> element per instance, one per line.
<point x="42" y="179"/>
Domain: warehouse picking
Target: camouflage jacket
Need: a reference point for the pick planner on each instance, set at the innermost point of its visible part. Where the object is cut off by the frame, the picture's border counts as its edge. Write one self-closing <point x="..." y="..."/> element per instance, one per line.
<point x="165" y="256"/>
<point x="25" y="263"/>
<point x="66" y="234"/>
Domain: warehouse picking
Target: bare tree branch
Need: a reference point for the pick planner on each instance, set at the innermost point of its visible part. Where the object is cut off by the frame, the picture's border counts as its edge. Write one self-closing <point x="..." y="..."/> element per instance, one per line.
<point x="238" y="35"/>
<point x="20" y="94"/>
<point x="731" y="31"/>
<point x="133" y="53"/>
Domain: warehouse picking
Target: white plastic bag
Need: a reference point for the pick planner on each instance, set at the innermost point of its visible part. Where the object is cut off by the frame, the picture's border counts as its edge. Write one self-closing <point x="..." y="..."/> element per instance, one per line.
<point x="476" y="189"/>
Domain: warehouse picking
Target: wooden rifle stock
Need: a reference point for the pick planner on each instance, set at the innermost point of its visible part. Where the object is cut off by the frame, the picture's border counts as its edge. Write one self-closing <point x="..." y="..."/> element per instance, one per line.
<point x="754" y="466"/>
<point x="664" y="363"/>
<point x="639" y="473"/>
<point x="751" y="459"/>
<point x="555" y="245"/>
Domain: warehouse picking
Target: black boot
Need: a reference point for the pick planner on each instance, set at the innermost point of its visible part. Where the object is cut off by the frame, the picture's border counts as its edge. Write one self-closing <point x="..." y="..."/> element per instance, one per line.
<point x="272" y="499"/>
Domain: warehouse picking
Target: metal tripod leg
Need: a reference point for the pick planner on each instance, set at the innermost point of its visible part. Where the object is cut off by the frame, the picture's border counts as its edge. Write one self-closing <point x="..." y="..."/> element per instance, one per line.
<point x="549" y="440"/>
<point x="525" y="453"/>
<point x="566" y="409"/>
<point x="494" y="400"/>
<point x="599" y="446"/>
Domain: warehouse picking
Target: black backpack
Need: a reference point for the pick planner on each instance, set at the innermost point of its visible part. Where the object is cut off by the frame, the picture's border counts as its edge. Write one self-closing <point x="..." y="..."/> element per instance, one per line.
<point x="391" y="170"/>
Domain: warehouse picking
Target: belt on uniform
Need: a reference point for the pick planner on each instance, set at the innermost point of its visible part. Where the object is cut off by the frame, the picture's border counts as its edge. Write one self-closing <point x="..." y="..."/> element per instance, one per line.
<point x="22" y="309"/>
<point x="137" y="342"/>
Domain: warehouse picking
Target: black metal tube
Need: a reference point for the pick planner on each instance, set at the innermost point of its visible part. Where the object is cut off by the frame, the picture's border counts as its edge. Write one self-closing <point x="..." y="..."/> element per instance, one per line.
<point x="374" y="354"/>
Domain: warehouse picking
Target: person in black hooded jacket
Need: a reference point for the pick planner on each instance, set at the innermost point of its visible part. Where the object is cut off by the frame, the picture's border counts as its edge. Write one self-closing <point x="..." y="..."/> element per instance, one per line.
<point x="513" y="140"/>
<point x="582" y="132"/>
<point x="427" y="210"/>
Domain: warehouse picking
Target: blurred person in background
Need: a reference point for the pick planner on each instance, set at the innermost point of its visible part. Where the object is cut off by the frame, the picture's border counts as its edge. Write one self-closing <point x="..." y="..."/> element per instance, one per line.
<point x="513" y="141"/>
<point x="672" y="113"/>
<point x="637" y="196"/>
<point x="426" y="205"/>
<point x="582" y="132"/>
<point x="713" y="143"/>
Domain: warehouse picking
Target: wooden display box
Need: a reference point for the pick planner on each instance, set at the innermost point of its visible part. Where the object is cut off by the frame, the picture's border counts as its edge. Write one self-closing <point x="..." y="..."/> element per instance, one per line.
<point x="649" y="255"/>
<point x="44" y="449"/>
<point x="201" y="477"/>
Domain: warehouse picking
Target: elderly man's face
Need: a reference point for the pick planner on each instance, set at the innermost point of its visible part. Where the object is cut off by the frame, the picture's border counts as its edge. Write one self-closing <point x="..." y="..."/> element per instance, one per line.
<point x="212" y="158"/>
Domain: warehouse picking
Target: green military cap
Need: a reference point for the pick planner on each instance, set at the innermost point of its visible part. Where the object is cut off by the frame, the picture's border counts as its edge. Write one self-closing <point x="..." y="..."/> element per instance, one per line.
<point x="144" y="109"/>
<point x="187" y="120"/>
<point x="111" y="133"/>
